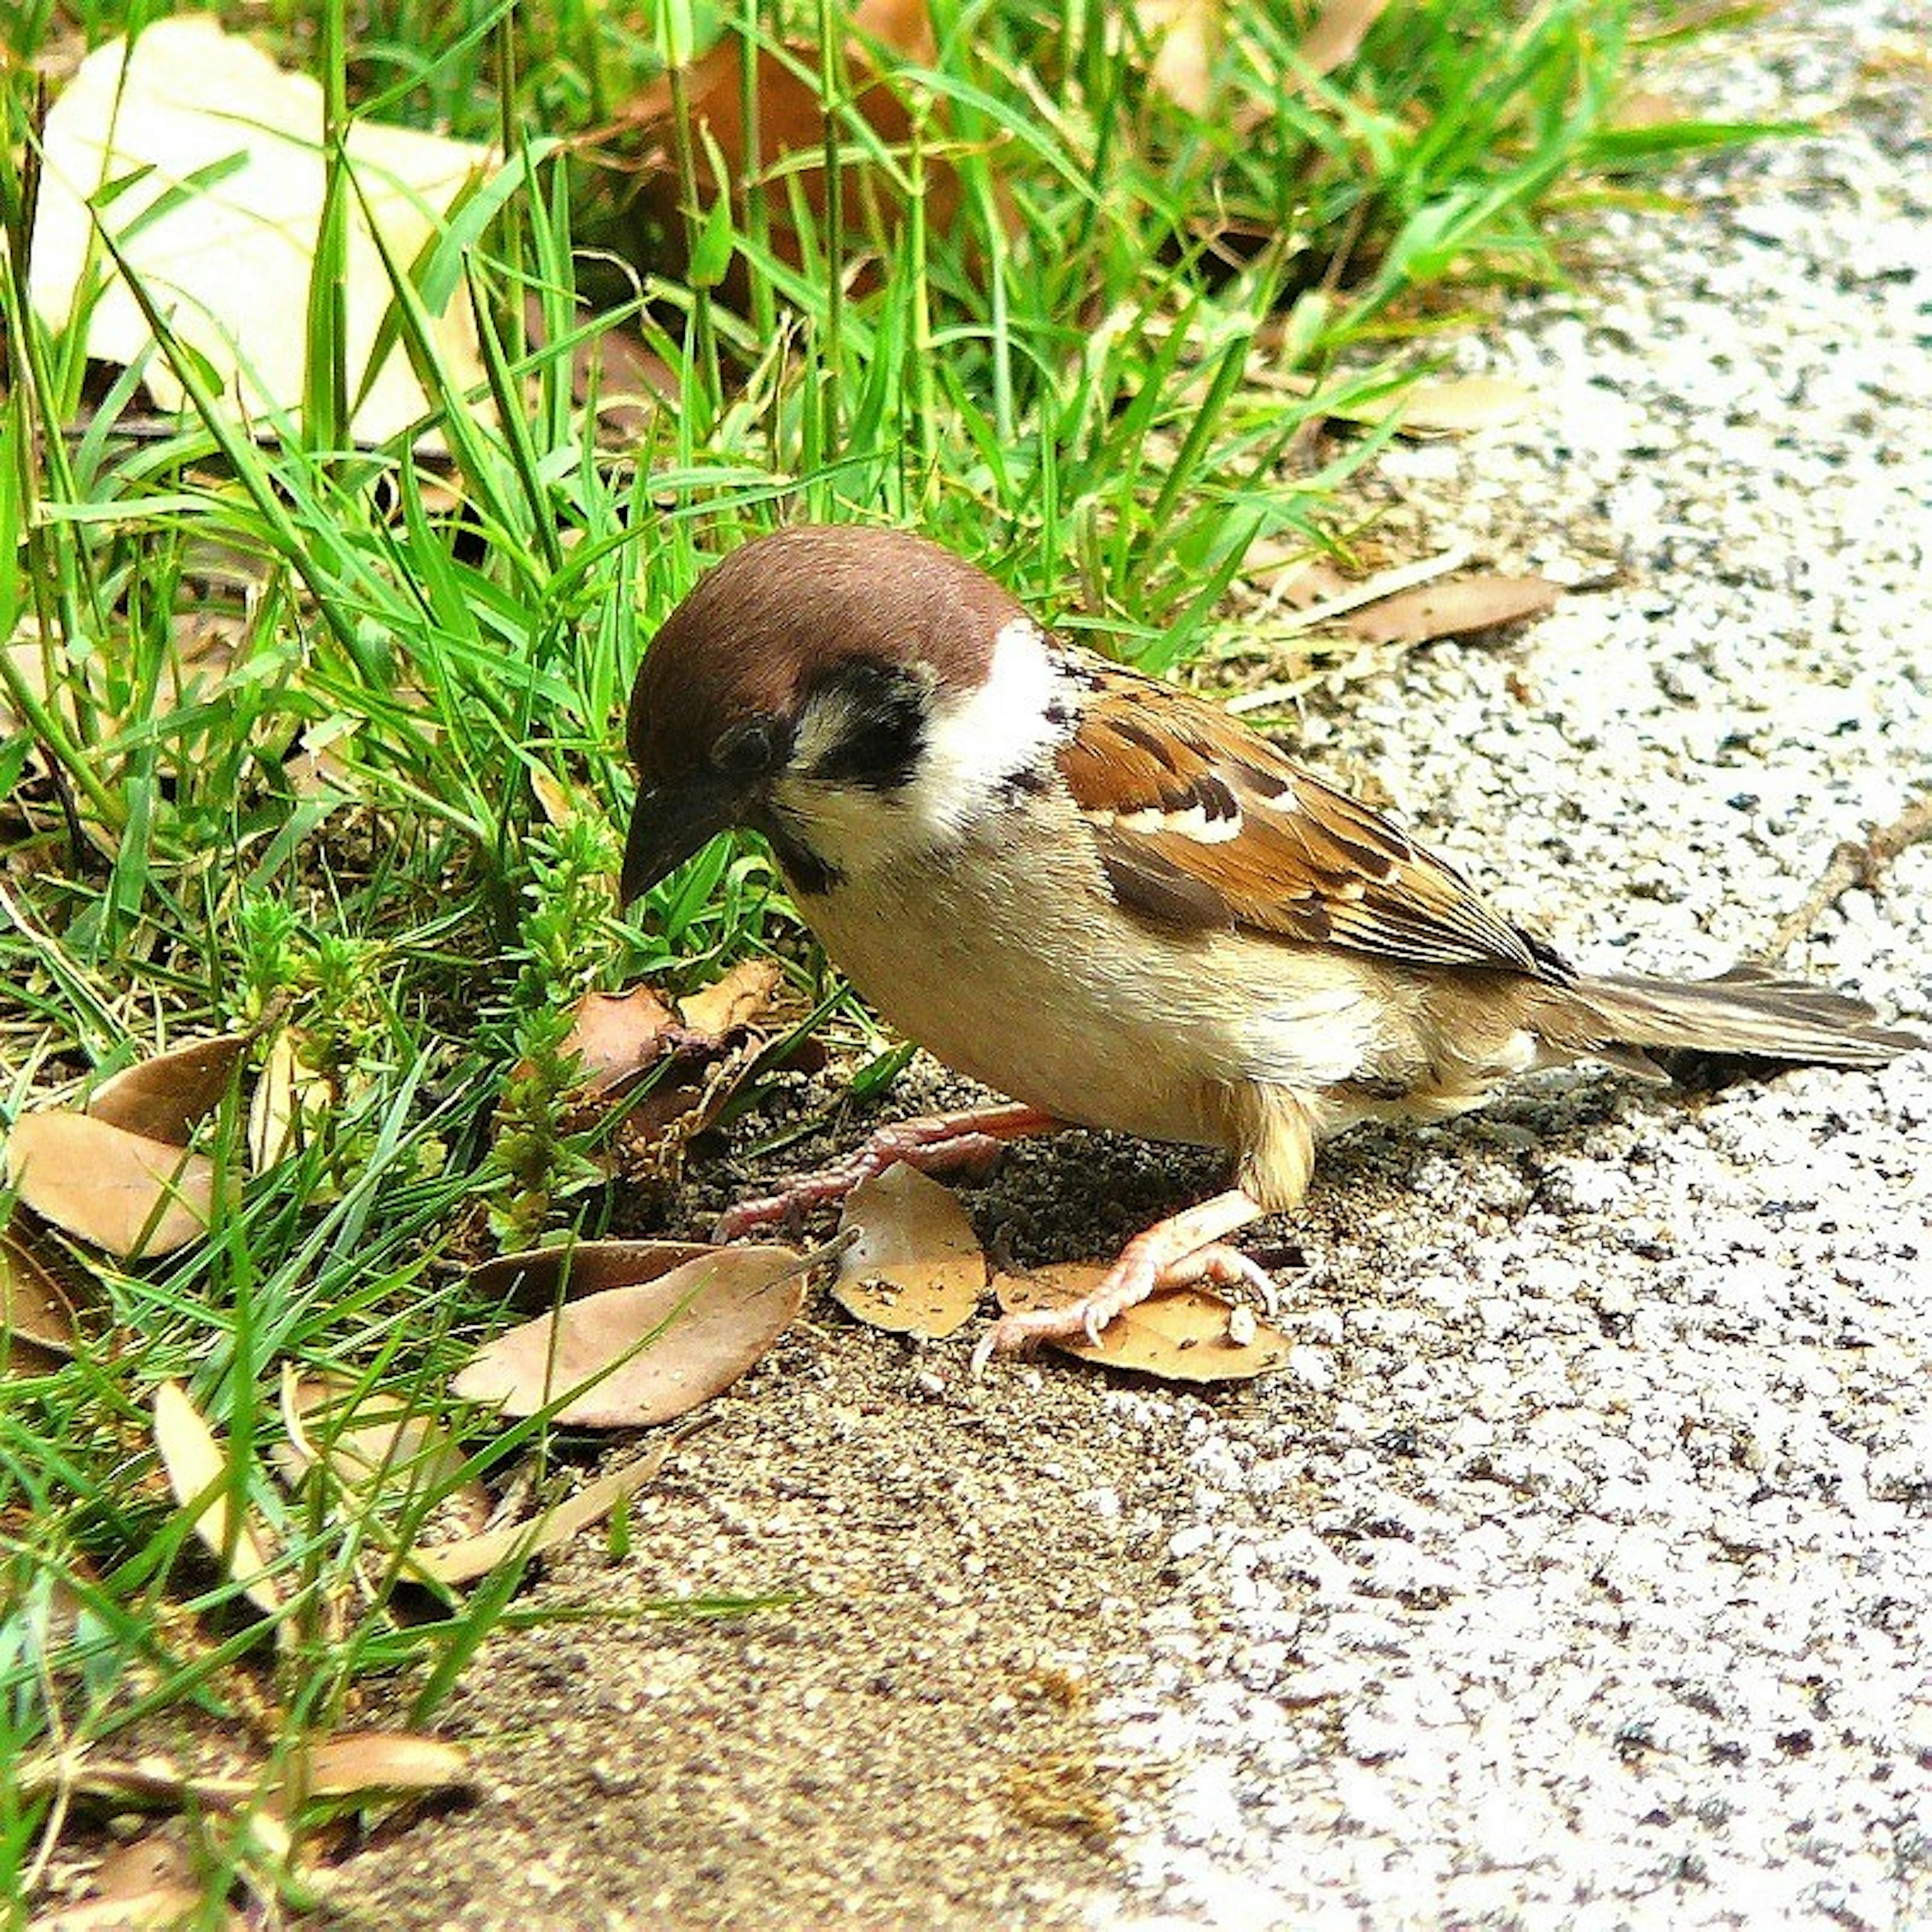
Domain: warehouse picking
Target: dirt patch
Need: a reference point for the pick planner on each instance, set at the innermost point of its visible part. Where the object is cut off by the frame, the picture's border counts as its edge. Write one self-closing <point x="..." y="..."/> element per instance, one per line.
<point x="915" y="1725"/>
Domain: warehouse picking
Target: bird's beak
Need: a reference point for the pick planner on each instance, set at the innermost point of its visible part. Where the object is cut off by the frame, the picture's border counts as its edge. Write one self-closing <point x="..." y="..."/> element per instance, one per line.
<point x="668" y="823"/>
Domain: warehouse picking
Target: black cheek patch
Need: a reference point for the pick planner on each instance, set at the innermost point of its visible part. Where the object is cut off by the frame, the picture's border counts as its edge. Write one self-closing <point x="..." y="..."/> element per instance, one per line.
<point x="883" y="715"/>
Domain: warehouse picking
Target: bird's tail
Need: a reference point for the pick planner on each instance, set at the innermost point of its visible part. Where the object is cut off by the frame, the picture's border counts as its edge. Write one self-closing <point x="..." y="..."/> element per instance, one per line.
<point x="1745" y="1011"/>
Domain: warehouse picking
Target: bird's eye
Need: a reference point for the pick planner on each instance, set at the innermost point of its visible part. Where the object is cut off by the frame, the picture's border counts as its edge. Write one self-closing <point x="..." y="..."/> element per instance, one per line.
<point x="754" y="749"/>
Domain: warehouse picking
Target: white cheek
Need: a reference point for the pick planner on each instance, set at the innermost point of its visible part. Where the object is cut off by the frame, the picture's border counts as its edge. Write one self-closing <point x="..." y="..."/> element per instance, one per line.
<point x="974" y="745"/>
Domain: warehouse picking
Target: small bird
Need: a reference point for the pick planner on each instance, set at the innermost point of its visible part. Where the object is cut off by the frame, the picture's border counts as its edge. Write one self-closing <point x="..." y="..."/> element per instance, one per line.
<point x="1102" y="896"/>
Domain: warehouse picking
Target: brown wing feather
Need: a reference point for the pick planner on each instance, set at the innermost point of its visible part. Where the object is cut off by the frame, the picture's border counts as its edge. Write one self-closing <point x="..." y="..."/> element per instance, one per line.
<point x="1201" y="823"/>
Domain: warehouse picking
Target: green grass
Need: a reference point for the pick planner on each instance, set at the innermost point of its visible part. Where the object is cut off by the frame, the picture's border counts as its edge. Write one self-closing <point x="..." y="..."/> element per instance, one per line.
<point x="1056" y="385"/>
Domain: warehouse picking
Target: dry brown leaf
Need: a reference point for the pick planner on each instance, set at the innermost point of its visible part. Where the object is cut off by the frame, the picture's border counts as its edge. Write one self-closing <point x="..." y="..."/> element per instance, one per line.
<point x="1449" y="609"/>
<point x="1184" y="37"/>
<point x="917" y="1267"/>
<point x="612" y="373"/>
<point x="144" y="1865"/>
<point x="165" y="1098"/>
<point x="290" y="1098"/>
<point x="791" y="137"/>
<point x="1181" y="1336"/>
<point x="540" y="1277"/>
<point x="132" y="1196"/>
<point x="740" y="997"/>
<point x="191" y="1452"/>
<point x="358" y="1761"/>
<point x="34" y="1307"/>
<point x="187" y="101"/>
<point x="376" y="1447"/>
<point x="477" y="1555"/>
<point x="649" y="1352"/>
<point x="618" y="1037"/>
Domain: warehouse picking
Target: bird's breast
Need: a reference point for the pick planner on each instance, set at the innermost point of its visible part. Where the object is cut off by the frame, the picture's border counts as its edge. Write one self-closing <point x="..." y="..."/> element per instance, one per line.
<point x="1007" y="959"/>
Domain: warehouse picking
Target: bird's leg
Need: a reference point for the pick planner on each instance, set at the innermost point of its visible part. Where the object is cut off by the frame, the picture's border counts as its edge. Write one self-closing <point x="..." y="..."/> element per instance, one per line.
<point x="967" y="1142"/>
<point x="1174" y="1253"/>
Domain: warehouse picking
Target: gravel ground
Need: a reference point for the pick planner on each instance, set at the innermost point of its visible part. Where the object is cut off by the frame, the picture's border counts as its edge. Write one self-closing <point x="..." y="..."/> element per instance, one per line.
<point x="1579" y="1573"/>
<point x="1603" y="1598"/>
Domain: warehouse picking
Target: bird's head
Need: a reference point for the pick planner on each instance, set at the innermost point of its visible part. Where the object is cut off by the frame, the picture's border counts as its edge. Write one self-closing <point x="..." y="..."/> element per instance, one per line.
<point x="848" y="692"/>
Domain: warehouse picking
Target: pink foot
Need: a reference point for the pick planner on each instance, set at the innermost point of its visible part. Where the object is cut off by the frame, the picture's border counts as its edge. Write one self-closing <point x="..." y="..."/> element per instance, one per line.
<point x="967" y="1143"/>
<point x="1178" y="1252"/>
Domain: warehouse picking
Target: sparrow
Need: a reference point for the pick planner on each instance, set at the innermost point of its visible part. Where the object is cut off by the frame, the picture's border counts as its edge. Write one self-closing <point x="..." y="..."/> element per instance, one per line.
<point x="1109" y="899"/>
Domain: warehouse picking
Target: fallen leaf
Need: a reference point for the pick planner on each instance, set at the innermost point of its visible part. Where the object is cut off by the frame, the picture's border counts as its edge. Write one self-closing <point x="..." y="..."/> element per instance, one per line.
<point x="34" y="1307"/>
<point x="291" y="1098"/>
<point x="1449" y="609"/>
<point x="161" y="1910"/>
<point x="1184" y="37"/>
<point x="1181" y="1336"/>
<point x="619" y="1037"/>
<point x="649" y="1352"/>
<point x="540" y="1277"/>
<point x="377" y="1448"/>
<point x="477" y="1555"/>
<point x="163" y="1099"/>
<point x="554" y="798"/>
<point x="358" y="1761"/>
<point x="791" y="136"/>
<point x="614" y="374"/>
<point x="1456" y="407"/>
<point x="740" y="997"/>
<point x="218" y="158"/>
<point x="133" y="1196"/>
<point x="191" y="1453"/>
<point x="917" y="1267"/>
<point x="1337" y="34"/>
<point x="144" y="1866"/>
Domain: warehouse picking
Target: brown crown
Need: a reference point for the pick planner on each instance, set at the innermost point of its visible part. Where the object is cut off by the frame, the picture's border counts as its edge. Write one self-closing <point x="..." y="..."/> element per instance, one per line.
<point x="777" y="615"/>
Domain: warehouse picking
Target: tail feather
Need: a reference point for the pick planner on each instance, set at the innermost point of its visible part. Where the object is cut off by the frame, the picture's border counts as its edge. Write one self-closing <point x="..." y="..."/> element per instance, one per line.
<point x="1745" y="1011"/>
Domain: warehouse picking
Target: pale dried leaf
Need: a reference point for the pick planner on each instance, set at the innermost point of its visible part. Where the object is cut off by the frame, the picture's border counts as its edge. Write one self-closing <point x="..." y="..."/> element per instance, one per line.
<point x="163" y="1099"/>
<point x="191" y="1452"/>
<point x="376" y="1447"/>
<point x="477" y="1555"/>
<point x="619" y="1036"/>
<point x="553" y="797"/>
<point x="163" y="1909"/>
<point x="1181" y="1336"/>
<point x="916" y="1267"/>
<point x="1478" y="602"/>
<point x="649" y="1352"/>
<point x="540" y="1277"/>
<point x="1185" y="37"/>
<point x="290" y="1097"/>
<point x="741" y="998"/>
<point x="124" y="1192"/>
<point x="1454" y="407"/>
<point x="144" y="1865"/>
<point x="34" y="1307"/>
<point x="1338" y="33"/>
<point x="169" y="118"/>
<point x="358" y="1761"/>
<point x="1458" y="406"/>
